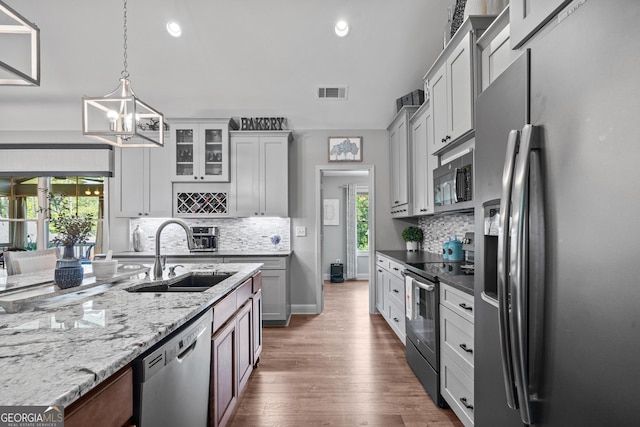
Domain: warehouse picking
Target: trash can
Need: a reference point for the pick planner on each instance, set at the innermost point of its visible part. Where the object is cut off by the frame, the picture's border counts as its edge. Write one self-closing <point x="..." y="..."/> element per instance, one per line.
<point x="337" y="275"/>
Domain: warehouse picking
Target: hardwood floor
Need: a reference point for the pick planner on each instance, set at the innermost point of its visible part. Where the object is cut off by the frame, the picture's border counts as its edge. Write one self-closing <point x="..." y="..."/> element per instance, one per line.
<point x="344" y="367"/>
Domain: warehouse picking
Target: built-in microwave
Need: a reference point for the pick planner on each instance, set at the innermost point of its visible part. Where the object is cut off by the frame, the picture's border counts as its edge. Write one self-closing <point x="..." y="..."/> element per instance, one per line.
<point x="453" y="184"/>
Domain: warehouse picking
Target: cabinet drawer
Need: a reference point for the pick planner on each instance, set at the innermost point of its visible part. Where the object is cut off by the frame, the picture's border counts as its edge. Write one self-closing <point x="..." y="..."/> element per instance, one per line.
<point x="270" y="263"/>
<point x="244" y="292"/>
<point x="396" y="269"/>
<point x="382" y="261"/>
<point x="456" y="339"/>
<point x="457" y="390"/>
<point x="396" y="319"/>
<point x="256" y="282"/>
<point x="395" y="291"/>
<point x="459" y="302"/>
<point x="109" y="404"/>
<point x="223" y="310"/>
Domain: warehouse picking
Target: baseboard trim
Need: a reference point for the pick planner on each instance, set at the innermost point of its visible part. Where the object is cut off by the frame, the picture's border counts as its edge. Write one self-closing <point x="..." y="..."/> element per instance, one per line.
<point x="303" y="308"/>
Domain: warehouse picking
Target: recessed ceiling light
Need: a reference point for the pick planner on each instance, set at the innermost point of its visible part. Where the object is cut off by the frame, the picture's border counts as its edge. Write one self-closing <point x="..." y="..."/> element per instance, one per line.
<point x="174" y="28"/>
<point x="342" y="28"/>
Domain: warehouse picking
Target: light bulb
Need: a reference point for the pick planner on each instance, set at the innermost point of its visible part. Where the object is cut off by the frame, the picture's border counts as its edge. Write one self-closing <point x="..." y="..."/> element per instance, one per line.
<point x="96" y="192"/>
<point x="112" y="116"/>
<point x="87" y="192"/>
<point x="174" y="29"/>
<point x="341" y="28"/>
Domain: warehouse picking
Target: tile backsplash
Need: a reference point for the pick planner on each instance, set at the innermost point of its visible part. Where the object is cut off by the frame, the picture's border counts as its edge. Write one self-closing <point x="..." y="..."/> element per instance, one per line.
<point x="235" y="234"/>
<point x="438" y="229"/>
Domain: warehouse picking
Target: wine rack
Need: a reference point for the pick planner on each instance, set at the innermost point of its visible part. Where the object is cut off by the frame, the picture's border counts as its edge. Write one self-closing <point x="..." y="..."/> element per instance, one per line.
<point x="214" y="203"/>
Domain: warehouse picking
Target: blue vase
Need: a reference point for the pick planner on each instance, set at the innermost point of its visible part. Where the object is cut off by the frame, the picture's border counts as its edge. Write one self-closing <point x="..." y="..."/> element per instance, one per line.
<point x="69" y="272"/>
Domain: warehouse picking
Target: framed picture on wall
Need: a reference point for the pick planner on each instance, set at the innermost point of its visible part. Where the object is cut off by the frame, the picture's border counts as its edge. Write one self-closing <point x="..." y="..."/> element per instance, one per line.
<point x="331" y="212"/>
<point x="345" y="148"/>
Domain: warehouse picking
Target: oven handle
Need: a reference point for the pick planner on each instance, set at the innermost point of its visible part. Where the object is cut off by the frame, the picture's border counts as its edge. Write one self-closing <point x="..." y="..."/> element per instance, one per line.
<point x="428" y="288"/>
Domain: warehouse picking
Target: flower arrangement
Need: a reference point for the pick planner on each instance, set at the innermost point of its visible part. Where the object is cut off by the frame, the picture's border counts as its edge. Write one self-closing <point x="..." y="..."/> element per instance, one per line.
<point x="71" y="228"/>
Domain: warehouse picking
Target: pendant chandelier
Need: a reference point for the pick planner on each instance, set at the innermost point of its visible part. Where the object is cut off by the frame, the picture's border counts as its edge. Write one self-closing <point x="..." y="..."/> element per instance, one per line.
<point x="12" y="27"/>
<point x="120" y="118"/>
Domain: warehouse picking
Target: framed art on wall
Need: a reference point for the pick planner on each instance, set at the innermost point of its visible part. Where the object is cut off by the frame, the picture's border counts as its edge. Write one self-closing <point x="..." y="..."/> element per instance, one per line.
<point x="331" y="212"/>
<point x="345" y="148"/>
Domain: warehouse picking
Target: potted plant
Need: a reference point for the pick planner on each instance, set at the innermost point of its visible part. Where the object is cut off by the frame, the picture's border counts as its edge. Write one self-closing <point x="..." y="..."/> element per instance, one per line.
<point x="71" y="229"/>
<point x="413" y="236"/>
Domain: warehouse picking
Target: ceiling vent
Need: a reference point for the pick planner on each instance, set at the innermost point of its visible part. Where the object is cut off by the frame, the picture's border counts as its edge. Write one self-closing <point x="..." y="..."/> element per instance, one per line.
<point x="333" y="92"/>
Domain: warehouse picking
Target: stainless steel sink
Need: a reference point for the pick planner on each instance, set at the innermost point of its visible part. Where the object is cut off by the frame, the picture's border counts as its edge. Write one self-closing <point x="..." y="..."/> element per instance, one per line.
<point x="188" y="283"/>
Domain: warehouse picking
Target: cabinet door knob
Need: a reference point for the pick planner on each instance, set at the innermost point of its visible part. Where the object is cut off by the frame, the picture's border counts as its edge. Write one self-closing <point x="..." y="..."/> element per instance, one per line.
<point x="465" y="307"/>
<point x="464" y="402"/>
<point x="465" y="348"/>
<point x="255" y="213"/>
<point x="195" y="177"/>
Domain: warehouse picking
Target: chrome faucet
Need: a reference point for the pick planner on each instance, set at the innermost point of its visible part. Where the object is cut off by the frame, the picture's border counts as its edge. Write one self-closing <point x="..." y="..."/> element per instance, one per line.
<point x="157" y="264"/>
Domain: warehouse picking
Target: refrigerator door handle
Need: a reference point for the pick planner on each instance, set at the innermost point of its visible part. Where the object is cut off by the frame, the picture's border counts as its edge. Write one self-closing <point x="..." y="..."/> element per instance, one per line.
<point x="519" y="273"/>
<point x="503" y="273"/>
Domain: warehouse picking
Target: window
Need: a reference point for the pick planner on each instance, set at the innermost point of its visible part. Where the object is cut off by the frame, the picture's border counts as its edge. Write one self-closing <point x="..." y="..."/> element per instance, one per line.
<point x="362" y="219"/>
<point x="22" y="223"/>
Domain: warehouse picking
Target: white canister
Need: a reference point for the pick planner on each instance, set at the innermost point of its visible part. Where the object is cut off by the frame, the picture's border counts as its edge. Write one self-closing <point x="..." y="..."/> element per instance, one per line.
<point x="138" y="239"/>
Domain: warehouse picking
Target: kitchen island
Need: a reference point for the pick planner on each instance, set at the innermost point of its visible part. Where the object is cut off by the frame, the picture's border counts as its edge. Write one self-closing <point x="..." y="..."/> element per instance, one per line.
<point x="56" y="351"/>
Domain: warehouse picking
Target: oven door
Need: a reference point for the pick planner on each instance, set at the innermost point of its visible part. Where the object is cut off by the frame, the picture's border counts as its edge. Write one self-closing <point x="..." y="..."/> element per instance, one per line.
<point x="422" y="316"/>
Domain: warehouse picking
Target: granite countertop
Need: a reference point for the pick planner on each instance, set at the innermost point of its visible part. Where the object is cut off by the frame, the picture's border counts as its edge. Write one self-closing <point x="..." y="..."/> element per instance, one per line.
<point x="57" y="350"/>
<point x="463" y="282"/>
<point x="217" y="254"/>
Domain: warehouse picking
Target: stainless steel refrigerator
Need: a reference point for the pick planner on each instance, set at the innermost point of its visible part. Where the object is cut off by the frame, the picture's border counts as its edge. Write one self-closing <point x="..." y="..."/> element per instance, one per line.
<point x="557" y="283"/>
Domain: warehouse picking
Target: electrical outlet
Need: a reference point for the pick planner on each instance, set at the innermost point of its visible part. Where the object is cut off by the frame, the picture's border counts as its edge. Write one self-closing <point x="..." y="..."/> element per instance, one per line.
<point x="301" y="231"/>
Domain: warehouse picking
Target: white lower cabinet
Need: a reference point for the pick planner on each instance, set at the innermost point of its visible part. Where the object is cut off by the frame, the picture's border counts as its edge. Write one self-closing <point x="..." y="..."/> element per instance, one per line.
<point x="276" y="292"/>
<point x="390" y="296"/>
<point x="456" y="351"/>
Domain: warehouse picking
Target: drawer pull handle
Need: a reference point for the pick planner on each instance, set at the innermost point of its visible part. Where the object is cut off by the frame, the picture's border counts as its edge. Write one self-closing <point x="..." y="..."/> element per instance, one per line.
<point x="465" y="348"/>
<point x="465" y="307"/>
<point x="396" y="291"/>
<point x="395" y="319"/>
<point x="464" y="402"/>
<point x="396" y="268"/>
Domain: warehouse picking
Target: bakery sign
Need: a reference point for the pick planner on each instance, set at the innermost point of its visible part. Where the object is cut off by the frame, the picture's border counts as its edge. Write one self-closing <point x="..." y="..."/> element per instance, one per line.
<point x="262" y="123"/>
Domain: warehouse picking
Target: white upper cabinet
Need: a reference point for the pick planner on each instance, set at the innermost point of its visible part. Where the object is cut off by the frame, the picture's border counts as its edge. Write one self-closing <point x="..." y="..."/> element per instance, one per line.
<point x="495" y="49"/>
<point x="399" y="148"/>
<point x="142" y="186"/>
<point x="526" y="17"/>
<point x="200" y="151"/>
<point x="259" y="173"/>
<point x="452" y="84"/>
<point x="423" y="162"/>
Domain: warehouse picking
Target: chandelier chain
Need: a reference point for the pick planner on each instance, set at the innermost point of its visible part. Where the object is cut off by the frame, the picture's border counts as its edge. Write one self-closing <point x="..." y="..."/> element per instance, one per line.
<point x="125" y="73"/>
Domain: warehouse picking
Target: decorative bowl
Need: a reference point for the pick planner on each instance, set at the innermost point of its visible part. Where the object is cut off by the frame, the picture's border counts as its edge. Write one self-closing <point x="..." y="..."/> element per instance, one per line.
<point x="104" y="269"/>
<point x="68" y="277"/>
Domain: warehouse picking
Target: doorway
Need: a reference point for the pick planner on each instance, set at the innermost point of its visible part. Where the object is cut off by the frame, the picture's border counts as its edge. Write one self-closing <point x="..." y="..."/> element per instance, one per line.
<point x="331" y="245"/>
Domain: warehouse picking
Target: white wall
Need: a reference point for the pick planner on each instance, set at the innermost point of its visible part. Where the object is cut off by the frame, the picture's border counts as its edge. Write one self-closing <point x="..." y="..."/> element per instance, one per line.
<point x="309" y="150"/>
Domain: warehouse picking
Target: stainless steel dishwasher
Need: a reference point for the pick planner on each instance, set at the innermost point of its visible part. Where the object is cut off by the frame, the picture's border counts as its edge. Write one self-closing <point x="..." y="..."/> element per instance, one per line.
<point x="172" y="381"/>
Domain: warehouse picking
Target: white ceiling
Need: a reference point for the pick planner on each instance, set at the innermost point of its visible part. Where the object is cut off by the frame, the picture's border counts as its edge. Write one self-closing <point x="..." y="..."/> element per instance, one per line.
<point x="235" y="58"/>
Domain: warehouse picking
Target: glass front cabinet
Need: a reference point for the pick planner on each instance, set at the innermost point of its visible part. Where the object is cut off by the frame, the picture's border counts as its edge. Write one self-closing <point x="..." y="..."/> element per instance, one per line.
<point x="200" y="151"/>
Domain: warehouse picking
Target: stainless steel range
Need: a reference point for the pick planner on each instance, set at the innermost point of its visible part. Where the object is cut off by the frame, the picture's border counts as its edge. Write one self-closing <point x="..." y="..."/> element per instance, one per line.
<point x="423" y="329"/>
